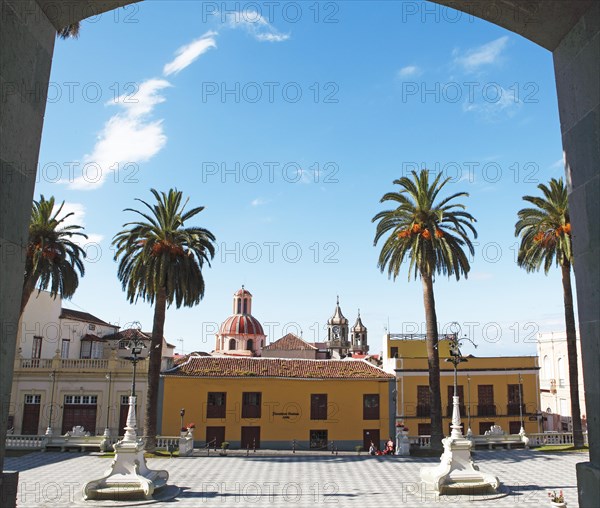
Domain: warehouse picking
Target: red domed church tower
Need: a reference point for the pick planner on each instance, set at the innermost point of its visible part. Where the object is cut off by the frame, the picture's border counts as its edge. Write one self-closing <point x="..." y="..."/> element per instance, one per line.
<point x="241" y="334"/>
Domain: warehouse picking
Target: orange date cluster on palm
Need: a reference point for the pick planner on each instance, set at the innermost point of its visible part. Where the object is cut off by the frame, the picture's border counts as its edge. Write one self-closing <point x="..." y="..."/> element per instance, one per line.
<point x="545" y="237"/>
<point x="417" y="229"/>
<point x="47" y="251"/>
<point x="168" y="248"/>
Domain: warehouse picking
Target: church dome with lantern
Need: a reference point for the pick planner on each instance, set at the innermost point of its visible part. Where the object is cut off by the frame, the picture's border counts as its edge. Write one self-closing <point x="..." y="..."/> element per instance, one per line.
<point x="241" y="334"/>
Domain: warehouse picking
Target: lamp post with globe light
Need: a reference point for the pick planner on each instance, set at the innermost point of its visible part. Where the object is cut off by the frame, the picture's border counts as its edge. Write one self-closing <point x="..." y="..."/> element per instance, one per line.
<point x="136" y="346"/>
<point x="128" y="471"/>
<point x="456" y="471"/>
<point x="456" y="358"/>
<point x="522" y="429"/>
<point x="108" y="377"/>
<point x="49" y="428"/>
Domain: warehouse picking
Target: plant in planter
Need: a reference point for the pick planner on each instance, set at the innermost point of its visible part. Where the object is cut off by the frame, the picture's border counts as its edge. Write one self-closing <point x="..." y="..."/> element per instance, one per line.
<point x="188" y="429"/>
<point x="358" y="449"/>
<point x="557" y="500"/>
<point x="224" y="447"/>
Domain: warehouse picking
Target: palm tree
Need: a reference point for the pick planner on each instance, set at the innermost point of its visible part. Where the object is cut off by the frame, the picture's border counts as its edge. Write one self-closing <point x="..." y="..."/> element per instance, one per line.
<point x="161" y="261"/>
<point x="546" y="240"/>
<point x="431" y="236"/>
<point x="52" y="258"/>
<point x="69" y="32"/>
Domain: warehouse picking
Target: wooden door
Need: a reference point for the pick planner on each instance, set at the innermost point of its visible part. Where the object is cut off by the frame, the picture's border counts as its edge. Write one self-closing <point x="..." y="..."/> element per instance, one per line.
<point x="83" y="415"/>
<point x="371" y="435"/>
<point x="31" y="415"/>
<point x="485" y="402"/>
<point x="123" y="411"/>
<point x="318" y="406"/>
<point x="250" y="438"/>
<point x="514" y="427"/>
<point x="215" y="433"/>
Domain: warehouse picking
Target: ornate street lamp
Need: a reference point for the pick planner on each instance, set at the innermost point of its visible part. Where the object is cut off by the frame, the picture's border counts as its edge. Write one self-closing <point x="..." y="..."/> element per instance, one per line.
<point x="456" y="358"/>
<point x="469" y="431"/>
<point x="181" y="414"/>
<point x="456" y="471"/>
<point x="49" y="428"/>
<point x="136" y="346"/>
<point x="108" y="376"/>
<point x="128" y="471"/>
<point x="522" y="430"/>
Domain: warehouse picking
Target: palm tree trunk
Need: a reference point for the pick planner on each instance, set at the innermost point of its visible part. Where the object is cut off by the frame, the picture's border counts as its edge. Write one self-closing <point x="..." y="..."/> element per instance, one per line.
<point x="154" y="360"/>
<point x="433" y="360"/>
<point x="28" y="288"/>
<point x="572" y="355"/>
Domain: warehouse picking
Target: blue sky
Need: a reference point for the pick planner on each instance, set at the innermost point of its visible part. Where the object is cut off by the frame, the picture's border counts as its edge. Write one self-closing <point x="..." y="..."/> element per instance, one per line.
<point x="289" y="125"/>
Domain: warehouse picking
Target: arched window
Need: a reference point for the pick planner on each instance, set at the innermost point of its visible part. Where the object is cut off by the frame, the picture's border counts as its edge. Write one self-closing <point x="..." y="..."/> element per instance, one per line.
<point x="561" y="371"/>
<point x="546" y="367"/>
<point x="245" y="305"/>
<point x="239" y="305"/>
<point x="231" y="344"/>
<point x="250" y="345"/>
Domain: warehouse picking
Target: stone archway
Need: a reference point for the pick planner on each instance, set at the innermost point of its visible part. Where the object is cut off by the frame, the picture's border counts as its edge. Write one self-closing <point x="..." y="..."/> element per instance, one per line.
<point x="568" y="28"/>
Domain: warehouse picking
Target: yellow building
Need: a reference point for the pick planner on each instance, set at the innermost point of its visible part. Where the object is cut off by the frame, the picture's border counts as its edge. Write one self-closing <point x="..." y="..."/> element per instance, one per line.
<point x="493" y="390"/>
<point x="279" y="403"/>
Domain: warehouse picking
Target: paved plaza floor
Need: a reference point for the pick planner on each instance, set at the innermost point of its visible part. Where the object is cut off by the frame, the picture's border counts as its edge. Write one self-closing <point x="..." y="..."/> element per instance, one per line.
<point x="276" y="480"/>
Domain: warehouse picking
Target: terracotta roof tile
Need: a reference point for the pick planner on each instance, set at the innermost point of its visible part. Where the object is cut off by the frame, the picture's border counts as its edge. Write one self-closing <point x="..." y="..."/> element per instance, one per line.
<point x="290" y="342"/>
<point x="197" y="366"/>
<point x="82" y="316"/>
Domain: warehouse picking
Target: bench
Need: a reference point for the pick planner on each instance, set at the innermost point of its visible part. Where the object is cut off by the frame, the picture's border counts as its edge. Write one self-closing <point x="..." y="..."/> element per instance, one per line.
<point x="497" y="437"/>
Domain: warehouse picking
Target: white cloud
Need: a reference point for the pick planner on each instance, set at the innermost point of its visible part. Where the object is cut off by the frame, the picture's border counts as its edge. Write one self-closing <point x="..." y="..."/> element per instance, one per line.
<point x="143" y="100"/>
<point x="481" y="276"/>
<point x="255" y="24"/>
<point x="409" y="70"/>
<point x="272" y="37"/>
<point x="559" y="164"/>
<point x="189" y="53"/>
<point x="126" y="138"/>
<point x="503" y="103"/>
<point x="78" y="218"/>
<point x="258" y="202"/>
<point x="486" y="54"/>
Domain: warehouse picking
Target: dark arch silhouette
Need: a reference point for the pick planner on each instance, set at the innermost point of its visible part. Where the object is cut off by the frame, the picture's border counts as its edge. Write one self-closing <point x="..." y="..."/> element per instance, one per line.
<point x="568" y="28"/>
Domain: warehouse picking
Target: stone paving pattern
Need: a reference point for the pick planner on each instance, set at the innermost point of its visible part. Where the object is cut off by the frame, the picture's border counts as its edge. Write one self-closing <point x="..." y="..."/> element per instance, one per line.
<point x="279" y="479"/>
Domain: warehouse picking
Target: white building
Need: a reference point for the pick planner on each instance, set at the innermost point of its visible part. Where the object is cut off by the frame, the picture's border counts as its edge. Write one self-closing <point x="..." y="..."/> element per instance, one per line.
<point x="70" y="370"/>
<point x="555" y="395"/>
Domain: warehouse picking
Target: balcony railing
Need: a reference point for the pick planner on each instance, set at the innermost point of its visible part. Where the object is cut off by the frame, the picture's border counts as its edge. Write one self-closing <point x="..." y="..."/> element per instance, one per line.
<point x="36" y="363"/>
<point x="83" y="363"/>
<point x="94" y="364"/>
<point x="423" y="410"/>
<point x="513" y="409"/>
<point x="486" y="410"/>
<point x="550" y="438"/>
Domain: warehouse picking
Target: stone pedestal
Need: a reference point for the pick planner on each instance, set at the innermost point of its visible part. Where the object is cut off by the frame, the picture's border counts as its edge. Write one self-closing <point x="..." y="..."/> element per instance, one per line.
<point x="456" y="471"/>
<point x="128" y="476"/>
<point x="402" y="442"/>
<point x="9" y="481"/>
<point x="186" y="444"/>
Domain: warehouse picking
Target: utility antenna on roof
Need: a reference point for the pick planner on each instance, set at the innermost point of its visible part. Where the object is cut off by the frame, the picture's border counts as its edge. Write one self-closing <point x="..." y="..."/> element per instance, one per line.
<point x="181" y="341"/>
